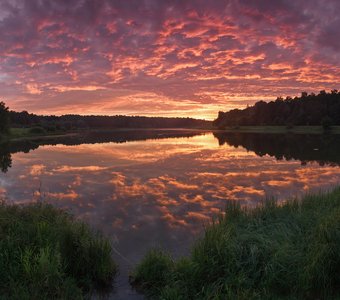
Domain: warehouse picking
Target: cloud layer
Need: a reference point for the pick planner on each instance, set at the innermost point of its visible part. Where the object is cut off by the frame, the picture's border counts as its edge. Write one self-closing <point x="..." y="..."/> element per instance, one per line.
<point x="152" y="57"/>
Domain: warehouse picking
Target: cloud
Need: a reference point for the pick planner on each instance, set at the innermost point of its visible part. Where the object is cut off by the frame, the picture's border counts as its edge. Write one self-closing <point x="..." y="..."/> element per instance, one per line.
<point x="157" y="193"/>
<point x="214" y="55"/>
<point x="66" y="169"/>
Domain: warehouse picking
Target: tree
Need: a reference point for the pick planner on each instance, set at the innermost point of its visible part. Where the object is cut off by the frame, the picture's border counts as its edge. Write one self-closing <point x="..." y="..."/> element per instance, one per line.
<point x="4" y="118"/>
<point x="326" y="123"/>
<point x="311" y="110"/>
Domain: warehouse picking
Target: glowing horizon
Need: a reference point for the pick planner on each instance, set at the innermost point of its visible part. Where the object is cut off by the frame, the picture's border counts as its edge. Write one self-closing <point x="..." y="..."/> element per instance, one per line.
<point x="164" y="58"/>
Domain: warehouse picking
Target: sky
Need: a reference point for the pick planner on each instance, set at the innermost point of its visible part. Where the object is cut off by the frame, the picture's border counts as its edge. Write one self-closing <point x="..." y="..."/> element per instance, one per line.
<point x="164" y="58"/>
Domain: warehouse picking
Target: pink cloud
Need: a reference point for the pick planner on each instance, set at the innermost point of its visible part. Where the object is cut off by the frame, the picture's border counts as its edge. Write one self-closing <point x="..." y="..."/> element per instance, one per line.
<point x="214" y="55"/>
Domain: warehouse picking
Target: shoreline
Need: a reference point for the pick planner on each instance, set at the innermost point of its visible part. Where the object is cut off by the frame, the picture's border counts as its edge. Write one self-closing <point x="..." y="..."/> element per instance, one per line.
<point x="25" y="135"/>
<point x="282" y="129"/>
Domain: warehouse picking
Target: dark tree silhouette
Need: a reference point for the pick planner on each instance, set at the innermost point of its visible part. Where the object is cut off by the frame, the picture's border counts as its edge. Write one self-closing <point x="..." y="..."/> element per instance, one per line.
<point x="67" y="122"/>
<point x="4" y="118"/>
<point x="5" y="158"/>
<point x="322" y="110"/>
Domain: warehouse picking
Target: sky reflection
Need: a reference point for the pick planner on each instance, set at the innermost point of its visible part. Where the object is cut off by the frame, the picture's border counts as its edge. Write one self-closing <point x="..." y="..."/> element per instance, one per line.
<point x="155" y="192"/>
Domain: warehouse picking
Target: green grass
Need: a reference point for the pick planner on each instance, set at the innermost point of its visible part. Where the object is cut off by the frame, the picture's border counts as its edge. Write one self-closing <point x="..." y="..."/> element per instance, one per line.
<point x="283" y="129"/>
<point x="19" y="133"/>
<point x="46" y="254"/>
<point x="290" y="251"/>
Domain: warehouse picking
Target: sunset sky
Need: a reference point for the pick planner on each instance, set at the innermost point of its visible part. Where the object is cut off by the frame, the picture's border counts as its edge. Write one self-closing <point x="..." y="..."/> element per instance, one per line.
<point x="164" y="58"/>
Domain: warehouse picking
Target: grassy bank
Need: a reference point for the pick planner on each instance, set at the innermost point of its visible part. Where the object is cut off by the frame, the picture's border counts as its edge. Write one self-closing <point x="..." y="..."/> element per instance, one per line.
<point x="20" y="133"/>
<point x="283" y="129"/>
<point x="272" y="252"/>
<point x="46" y="254"/>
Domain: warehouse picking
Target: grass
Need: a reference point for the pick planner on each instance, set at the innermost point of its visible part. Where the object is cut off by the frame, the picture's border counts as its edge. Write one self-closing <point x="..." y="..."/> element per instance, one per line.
<point x="290" y="251"/>
<point x="46" y="254"/>
<point x="18" y="133"/>
<point x="283" y="129"/>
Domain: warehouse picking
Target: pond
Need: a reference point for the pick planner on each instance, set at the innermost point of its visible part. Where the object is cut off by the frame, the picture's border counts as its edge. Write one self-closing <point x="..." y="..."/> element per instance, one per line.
<point x="158" y="188"/>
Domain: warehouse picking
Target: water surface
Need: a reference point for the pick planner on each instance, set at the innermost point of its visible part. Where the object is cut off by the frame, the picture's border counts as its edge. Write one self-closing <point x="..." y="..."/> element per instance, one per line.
<point x="158" y="188"/>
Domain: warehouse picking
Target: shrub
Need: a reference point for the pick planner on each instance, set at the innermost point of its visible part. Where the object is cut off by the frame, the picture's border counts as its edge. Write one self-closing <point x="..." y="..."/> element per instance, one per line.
<point x="326" y="123"/>
<point x="152" y="273"/>
<point x="46" y="254"/>
<point x="290" y="251"/>
<point x="37" y="130"/>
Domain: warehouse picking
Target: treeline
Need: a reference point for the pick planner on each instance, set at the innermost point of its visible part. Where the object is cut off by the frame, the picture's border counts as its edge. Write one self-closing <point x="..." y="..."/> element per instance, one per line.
<point x="321" y="109"/>
<point x="69" y="122"/>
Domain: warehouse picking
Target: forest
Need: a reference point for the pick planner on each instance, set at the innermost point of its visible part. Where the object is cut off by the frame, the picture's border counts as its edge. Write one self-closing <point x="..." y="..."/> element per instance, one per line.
<point x="321" y="109"/>
<point x="69" y="122"/>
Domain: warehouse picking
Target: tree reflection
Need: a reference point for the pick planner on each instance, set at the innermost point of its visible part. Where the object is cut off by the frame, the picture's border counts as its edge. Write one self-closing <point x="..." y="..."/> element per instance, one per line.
<point x="321" y="148"/>
<point x="5" y="158"/>
<point x="88" y="137"/>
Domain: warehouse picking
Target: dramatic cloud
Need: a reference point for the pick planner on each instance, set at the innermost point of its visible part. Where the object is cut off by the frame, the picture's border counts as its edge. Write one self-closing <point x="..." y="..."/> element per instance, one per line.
<point x="162" y="57"/>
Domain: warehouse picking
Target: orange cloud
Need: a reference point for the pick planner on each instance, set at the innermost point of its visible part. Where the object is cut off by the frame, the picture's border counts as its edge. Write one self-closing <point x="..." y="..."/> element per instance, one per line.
<point x="184" y="59"/>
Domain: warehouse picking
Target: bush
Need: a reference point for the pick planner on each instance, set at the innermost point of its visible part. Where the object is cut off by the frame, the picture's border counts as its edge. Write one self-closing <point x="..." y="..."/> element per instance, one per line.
<point x="50" y="128"/>
<point x="290" y="126"/>
<point x="46" y="254"/>
<point x="326" y="123"/>
<point x="37" y="130"/>
<point x="153" y="270"/>
<point x="271" y="252"/>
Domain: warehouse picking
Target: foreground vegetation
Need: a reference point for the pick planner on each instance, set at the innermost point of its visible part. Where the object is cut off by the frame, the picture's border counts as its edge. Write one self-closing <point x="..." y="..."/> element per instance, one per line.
<point x="46" y="254"/>
<point x="271" y="252"/>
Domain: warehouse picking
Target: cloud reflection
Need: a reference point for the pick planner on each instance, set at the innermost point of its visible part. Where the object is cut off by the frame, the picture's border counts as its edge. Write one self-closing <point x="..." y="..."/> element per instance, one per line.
<point x="171" y="180"/>
<point x="156" y="192"/>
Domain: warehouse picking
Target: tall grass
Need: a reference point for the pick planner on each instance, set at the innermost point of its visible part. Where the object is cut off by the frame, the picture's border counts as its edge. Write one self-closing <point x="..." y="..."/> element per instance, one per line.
<point x="290" y="251"/>
<point x="46" y="254"/>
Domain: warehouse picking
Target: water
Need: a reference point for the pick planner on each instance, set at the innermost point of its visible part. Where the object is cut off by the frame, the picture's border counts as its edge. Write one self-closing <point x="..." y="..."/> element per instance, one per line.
<point x="158" y="188"/>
